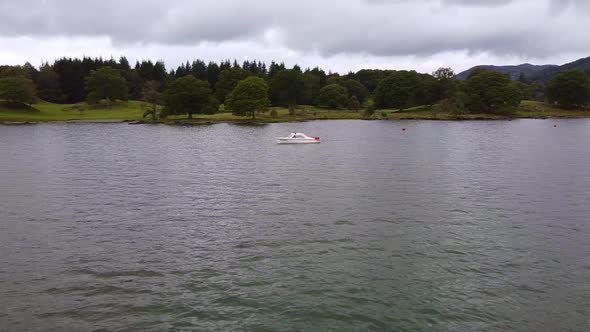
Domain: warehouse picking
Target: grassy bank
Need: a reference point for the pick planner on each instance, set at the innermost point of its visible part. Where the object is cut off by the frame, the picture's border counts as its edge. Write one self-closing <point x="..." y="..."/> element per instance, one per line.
<point x="131" y="111"/>
<point x="43" y="111"/>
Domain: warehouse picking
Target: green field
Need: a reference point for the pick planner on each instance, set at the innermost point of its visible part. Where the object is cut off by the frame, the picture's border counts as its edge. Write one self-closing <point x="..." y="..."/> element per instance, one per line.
<point x="45" y="111"/>
<point x="131" y="111"/>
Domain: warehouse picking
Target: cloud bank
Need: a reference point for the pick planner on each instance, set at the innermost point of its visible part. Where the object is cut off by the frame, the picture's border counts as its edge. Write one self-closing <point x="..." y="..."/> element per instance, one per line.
<point x="345" y="34"/>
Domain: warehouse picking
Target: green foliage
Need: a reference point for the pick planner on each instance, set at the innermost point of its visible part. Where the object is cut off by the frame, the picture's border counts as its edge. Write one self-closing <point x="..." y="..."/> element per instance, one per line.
<point x="228" y="80"/>
<point x="48" y="85"/>
<point x="399" y="90"/>
<point x="17" y="90"/>
<point x="287" y="87"/>
<point x="490" y="91"/>
<point x="370" y="104"/>
<point x="334" y="78"/>
<point x="454" y="106"/>
<point x="527" y="90"/>
<point x="212" y="106"/>
<point x="354" y="104"/>
<point x="249" y="96"/>
<point x="106" y="83"/>
<point x="569" y="89"/>
<point x="370" y="78"/>
<point x="369" y="112"/>
<point x="153" y="97"/>
<point x="333" y="96"/>
<point x="444" y="86"/>
<point x="26" y="71"/>
<point x="355" y="88"/>
<point x="312" y="83"/>
<point x="186" y="95"/>
<point x="430" y="90"/>
<point x="444" y="74"/>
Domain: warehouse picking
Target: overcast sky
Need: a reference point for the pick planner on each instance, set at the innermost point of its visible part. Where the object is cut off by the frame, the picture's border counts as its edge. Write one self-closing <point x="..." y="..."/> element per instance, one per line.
<point x="339" y="35"/>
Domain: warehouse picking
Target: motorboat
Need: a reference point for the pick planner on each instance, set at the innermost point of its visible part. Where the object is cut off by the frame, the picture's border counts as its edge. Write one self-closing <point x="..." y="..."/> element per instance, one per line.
<point x="298" y="138"/>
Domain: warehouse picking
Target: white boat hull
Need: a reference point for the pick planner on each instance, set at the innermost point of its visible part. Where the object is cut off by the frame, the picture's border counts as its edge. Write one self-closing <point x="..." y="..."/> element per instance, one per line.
<point x="297" y="141"/>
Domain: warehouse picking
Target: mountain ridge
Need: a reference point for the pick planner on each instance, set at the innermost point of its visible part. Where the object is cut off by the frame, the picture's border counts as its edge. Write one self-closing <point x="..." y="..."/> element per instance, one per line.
<point x="533" y="73"/>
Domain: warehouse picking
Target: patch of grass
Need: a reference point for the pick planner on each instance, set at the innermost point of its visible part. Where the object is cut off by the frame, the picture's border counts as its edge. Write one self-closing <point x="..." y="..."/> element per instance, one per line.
<point x="130" y="110"/>
<point x="535" y="109"/>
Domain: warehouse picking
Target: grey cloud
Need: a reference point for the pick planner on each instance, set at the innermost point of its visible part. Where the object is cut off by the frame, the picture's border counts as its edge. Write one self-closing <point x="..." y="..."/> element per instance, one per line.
<point x="472" y="3"/>
<point x="482" y="3"/>
<point x="560" y="5"/>
<point x="372" y="27"/>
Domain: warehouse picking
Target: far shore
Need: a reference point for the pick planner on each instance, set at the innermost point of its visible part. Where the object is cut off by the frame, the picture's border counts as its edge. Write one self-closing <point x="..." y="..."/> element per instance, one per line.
<point x="131" y="112"/>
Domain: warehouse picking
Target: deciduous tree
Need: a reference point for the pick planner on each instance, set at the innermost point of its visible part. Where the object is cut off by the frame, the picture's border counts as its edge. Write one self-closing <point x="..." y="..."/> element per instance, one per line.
<point x="248" y="97"/>
<point x="398" y="90"/>
<point x="153" y="97"/>
<point x="490" y="91"/>
<point x="186" y="95"/>
<point x="355" y="88"/>
<point x="570" y="88"/>
<point x="228" y="80"/>
<point x="333" y="96"/>
<point x="106" y="83"/>
<point x="17" y="90"/>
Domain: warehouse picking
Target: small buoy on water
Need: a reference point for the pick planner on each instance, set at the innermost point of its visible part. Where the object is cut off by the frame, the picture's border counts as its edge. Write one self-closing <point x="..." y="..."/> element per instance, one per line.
<point x="403" y="129"/>
<point x="554" y="126"/>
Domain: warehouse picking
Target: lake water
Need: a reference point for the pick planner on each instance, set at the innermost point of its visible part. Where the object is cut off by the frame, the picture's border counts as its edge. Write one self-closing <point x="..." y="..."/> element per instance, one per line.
<point x="447" y="226"/>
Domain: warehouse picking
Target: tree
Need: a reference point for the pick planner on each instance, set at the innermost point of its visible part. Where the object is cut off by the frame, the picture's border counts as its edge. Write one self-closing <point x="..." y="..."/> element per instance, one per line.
<point x="313" y="81"/>
<point x="447" y="84"/>
<point x="355" y="88"/>
<point x="212" y="106"/>
<point x="159" y="73"/>
<point x="123" y="64"/>
<point x="431" y="90"/>
<point x="398" y="90"/>
<point x="152" y="96"/>
<point x="569" y="89"/>
<point x="333" y="96"/>
<point x="26" y="71"/>
<point x="186" y="95"/>
<point x="442" y="74"/>
<point x="71" y="75"/>
<point x="212" y="73"/>
<point x="17" y="90"/>
<point x="228" y="80"/>
<point x="490" y="91"/>
<point x="199" y="70"/>
<point x="370" y="78"/>
<point x="527" y="90"/>
<point x="248" y="97"/>
<point x="106" y="83"/>
<point x="287" y="87"/>
<point x="354" y="104"/>
<point x="48" y="85"/>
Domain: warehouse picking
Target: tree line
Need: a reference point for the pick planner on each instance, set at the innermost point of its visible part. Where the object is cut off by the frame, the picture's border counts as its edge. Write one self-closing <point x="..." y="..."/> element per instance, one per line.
<point x="249" y="87"/>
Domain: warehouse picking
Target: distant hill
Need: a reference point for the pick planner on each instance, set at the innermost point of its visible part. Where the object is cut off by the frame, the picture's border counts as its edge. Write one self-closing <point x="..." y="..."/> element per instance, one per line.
<point x="535" y="73"/>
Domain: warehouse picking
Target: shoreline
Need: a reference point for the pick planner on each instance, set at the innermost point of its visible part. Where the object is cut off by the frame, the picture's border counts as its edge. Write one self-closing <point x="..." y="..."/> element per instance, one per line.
<point x="197" y="121"/>
<point x="131" y="112"/>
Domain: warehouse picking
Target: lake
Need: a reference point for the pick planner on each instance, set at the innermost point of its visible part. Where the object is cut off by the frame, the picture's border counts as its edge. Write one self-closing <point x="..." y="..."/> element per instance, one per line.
<point x="446" y="226"/>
